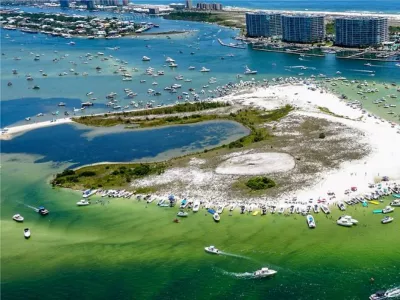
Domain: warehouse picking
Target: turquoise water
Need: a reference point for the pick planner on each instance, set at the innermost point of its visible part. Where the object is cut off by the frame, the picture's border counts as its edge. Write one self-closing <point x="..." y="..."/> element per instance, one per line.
<point x="127" y="250"/>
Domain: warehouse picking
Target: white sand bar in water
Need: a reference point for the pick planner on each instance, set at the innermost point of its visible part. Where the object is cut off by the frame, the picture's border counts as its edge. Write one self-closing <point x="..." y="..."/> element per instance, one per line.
<point x="257" y="164"/>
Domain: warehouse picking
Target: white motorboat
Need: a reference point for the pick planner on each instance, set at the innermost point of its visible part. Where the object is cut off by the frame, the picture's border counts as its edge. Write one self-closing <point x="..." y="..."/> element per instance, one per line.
<point x="145" y="58"/>
<point x="192" y="68"/>
<point x="196" y="206"/>
<point x="212" y="250"/>
<point x="220" y="209"/>
<point x="232" y="206"/>
<point x="170" y="60"/>
<point x="151" y="199"/>
<point x="387" y="209"/>
<point x="88" y="193"/>
<point x="160" y="202"/>
<point x="386" y="220"/>
<point x="341" y="206"/>
<point x="344" y="222"/>
<point x="316" y="208"/>
<point x="325" y="209"/>
<point x="249" y="72"/>
<point x="264" y="272"/>
<point x="216" y="217"/>
<point x="395" y="203"/>
<point x="173" y="65"/>
<point x="310" y="221"/>
<point x="18" y="218"/>
<point x="27" y="233"/>
<point x="182" y="214"/>
<point x="82" y="202"/>
<point x="382" y="295"/>
<point x="349" y="218"/>
<point x="203" y="69"/>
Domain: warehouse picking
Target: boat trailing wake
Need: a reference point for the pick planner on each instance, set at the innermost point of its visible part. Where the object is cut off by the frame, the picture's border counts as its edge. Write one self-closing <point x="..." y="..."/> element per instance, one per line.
<point x="393" y="293"/>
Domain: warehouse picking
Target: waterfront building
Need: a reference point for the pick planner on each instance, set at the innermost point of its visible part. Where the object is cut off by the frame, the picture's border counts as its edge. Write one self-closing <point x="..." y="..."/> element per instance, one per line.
<point x="361" y="31"/>
<point x="90" y="4"/>
<point x="154" y="11"/>
<point x="64" y="3"/>
<point x="303" y="28"/>
<point x="261" y="24"/>
<point x="177" y="5"/>
<point x="209" y="6"/>
<point x="189" y="4"/>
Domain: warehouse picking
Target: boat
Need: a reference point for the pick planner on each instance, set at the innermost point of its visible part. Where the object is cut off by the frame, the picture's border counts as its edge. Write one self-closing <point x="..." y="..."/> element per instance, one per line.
<point x="61" y="104"/>
<point x="88" y="193"/>
<point x="173" y="65"/>
<point x="160" y="202"/>
<point x="145" y="58"/>
<point x="264" y="272"/>
<point x="170" y="60"/>
<point x="42" y="211"/>
<point x="196" y="206"/>
<point x="382" y="295"/>
<point x="212" y="250"/>
<point x="203" y="69"/>
<point x="310" y="221"/>
<point x="386" y="220"/>
<point x="255" y="213"/>
<point x="184" y="203"/>
<point x="182" y="214"/>
<point x="395" y="203"/>
<point x="387" y="209"/>
<point x="82" y="202"/>
<point x="220" y="209"/>
<point x="249" y="72"/>
<point x="344" y="222"/>
<point x="192" y="68"/>
<point x="27" y="233"/>
<point x="341" y="206"/>
<point x="18" y="218"/>
<point x="349" y="218"/>
<point x="325" y="209"/>
<point x="216" y="217"/>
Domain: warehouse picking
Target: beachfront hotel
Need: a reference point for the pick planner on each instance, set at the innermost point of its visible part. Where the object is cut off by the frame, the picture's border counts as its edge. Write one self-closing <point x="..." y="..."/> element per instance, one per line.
<point x="361" y="31"/>
<point x="261" y="24"/>
<point x="303" y="28"/>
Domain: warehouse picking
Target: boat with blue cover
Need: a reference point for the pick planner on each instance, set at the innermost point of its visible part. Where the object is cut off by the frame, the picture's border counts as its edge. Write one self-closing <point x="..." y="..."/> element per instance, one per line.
<point x="184" y="203"/>
<point x="377" y="211"/>
<point x="211" y="211"/>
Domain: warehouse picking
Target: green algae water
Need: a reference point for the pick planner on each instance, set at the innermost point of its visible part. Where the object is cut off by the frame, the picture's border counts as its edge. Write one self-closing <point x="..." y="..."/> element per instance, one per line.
<point x="127" y="249"/>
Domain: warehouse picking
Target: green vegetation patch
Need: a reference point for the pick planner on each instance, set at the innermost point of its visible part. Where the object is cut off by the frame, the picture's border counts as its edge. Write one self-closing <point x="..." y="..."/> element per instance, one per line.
<point x="113" y="175"/>
<point x="260" y="183"/>
<point x="327" y="111"/>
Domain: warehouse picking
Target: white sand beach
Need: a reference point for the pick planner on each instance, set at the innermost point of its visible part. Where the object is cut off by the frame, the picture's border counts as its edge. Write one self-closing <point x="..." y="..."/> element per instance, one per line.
<point x="381" y="136"/>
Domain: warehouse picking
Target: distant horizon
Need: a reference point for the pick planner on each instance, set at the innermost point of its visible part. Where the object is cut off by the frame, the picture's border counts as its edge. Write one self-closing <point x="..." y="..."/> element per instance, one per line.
<point x="373" y="6"/>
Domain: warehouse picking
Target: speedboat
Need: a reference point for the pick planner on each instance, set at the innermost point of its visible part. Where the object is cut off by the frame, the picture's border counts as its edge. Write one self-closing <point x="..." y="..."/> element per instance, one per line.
<point x="173" y="65"/>
<point x="42" y="211"/>
<point x="349" y="218"/>
<point x="192" y="68"/>
<point x="82" y="202"/>
<point x="196" y="206"/>
<point x="182" y="214"/>
<point x="203" y="69"/>
<point x="145" y="58"/>
<point x="170" y="60"/>
<point x="220" y="209"/>
<point x="387" y="209"/>
<point x="18" y="218"/>
<point x="216" y="217"/>
<point x="395" y="203"/>
<point x="325" y="209"/>
<point x="344" y="222"/>
<point x="310" y="221"/>
<point x="184" y="203"/>
<point x="27" y="233"/>
<point x="386" y="220"/>
<point x="249" y="72"/>
<point x="264" y="272"/>
<point x="381" y="295"/>
<point x="341" y="206"/>
<point x="212" y="250"/>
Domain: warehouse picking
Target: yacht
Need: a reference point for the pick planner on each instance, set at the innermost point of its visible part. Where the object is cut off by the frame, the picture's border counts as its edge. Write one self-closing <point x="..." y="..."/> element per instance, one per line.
<point x="216" y="217"/>
<point x="169" y="60"/>
<point x="184" y="203"/>
<point x="173" y="65"/>
<point x="249" y="72"/>
<point x="145" y="58"/>
<point x="192" y="68"/>
<point x="387" y="209"/>
<point x="344" y="222"/>
<point x="196" y="206"/>
<point x="27" y="233"/>
<point x="395" y="203"/>
<point x="203" y="69"/>
<point x="82" y="202"/>
<point x="386" y="220"/>
<point x="350" y="219"/>
<point x="264" y="272"/>
<point x="182" y="214"/>
<point x="212" y="250"/>
<point x="18" y="218"/>
<point x="310" y="221"/>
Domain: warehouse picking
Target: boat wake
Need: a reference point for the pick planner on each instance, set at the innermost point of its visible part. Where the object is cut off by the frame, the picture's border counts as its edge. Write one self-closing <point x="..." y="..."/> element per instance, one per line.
<point x="235" y="255"/>
<point x="32" y="207"/>
<point x="245" y="275"/>
<point x="365" y="71"/>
